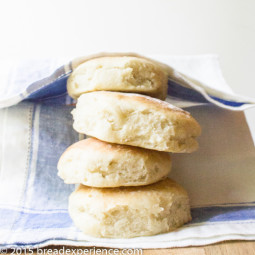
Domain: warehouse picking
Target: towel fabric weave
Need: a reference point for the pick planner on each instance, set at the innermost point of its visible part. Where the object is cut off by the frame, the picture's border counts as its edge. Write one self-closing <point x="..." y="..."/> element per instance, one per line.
<point x="219" y="177"/>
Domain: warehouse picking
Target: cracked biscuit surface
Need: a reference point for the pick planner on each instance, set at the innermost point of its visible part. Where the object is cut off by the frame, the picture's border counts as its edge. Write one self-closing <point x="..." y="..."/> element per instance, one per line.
<point x="100" y="164"/>
<point x="136" y="120"/>
<point x="130" y="211"/>
<point x="124" y="74"/>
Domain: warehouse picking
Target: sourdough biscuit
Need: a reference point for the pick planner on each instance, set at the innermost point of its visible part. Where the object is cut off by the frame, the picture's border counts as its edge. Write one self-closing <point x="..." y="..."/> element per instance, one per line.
<point x="136" y="120"/>
<point x="125" y="74"/>
<point x="130" y="211"/>
<point x="100" y="164"/>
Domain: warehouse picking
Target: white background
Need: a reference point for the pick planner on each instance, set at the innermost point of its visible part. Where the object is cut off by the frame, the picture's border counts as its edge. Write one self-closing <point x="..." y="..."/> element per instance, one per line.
<point x="174" y="27"/>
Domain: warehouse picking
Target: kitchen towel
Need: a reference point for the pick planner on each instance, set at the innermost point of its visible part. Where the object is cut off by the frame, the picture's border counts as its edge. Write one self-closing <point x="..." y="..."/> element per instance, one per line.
<point x="219" y="177"/>
<point x="38" y="80"/>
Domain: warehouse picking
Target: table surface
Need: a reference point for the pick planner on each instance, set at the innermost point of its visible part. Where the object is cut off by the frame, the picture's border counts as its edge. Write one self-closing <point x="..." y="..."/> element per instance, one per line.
<point x="224" y="248"/>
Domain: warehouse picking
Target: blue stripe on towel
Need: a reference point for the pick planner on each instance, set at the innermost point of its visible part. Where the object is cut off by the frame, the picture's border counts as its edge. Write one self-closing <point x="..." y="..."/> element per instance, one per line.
<point x="227" y="102"/>
<point x="35" y="220"/>
<point x="222" y="213"/>
<point x="181" y="92"/>
<point x="61" y="219"/>
<point x="55" y="135"/>
<point x="57" y="88"/>
<point x="178" y="91"/>
<point x="52" y="86"/>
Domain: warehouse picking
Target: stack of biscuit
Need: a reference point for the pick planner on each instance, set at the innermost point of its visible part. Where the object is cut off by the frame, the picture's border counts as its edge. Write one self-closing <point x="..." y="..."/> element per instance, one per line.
<point x="122" y="169"/>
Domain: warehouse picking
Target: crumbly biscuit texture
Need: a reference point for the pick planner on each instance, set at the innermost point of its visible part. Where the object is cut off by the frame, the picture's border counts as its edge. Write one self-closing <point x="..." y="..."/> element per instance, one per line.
<point x="136" y="120"/>
<point x="100" y="164"/>
<point x="130" y="211"/>
<point x="124" y="74"/>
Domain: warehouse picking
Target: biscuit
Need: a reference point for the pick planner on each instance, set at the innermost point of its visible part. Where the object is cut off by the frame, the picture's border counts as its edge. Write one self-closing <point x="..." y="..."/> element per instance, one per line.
<point x="124" y="74"/>
<point x="100" y="164"/>
<point x="130" y="211"/>
<point x="136" y="120"/>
